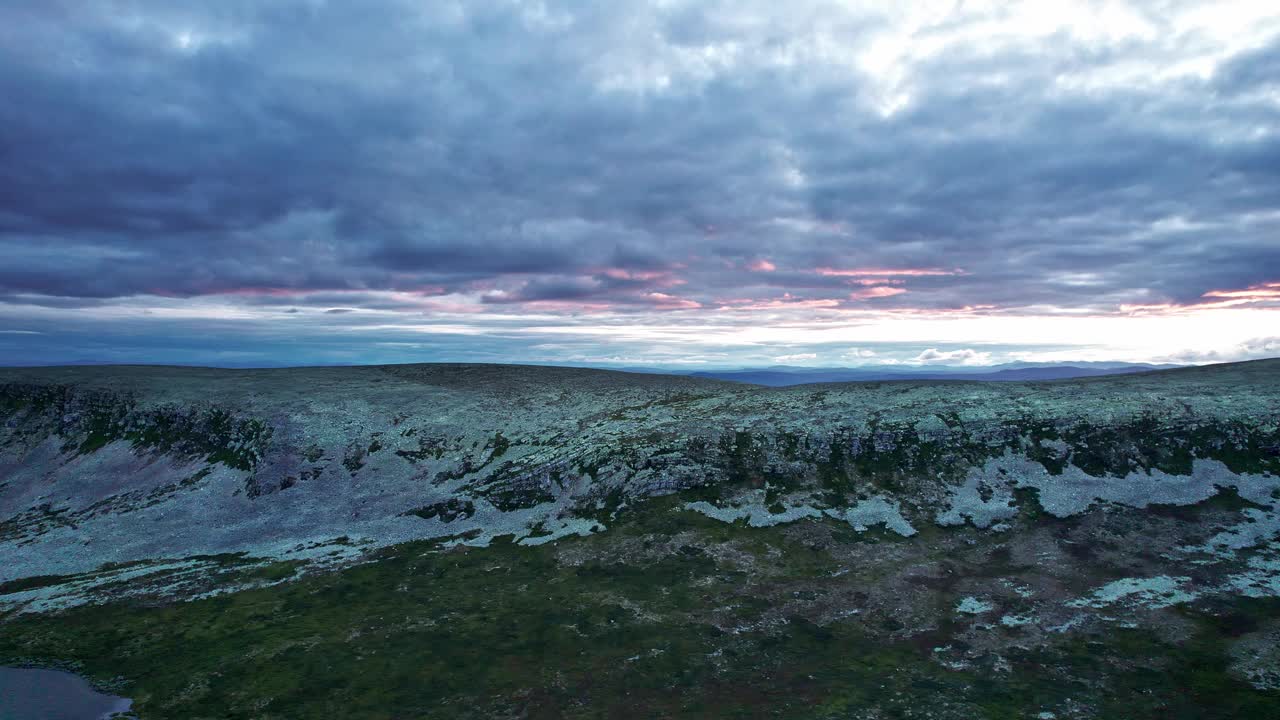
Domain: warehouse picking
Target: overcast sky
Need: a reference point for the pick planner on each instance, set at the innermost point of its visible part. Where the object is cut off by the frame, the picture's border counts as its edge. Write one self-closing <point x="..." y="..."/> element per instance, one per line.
<point x="690" y="184"/>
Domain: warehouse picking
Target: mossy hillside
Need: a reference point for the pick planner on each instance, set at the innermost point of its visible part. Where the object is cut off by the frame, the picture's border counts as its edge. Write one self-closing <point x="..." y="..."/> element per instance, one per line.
<point x="358" y="451"/>
<point x="899" y="459"/>
<point x="615" y="625"/>
<point x="1147" y="442"/>
<point x="868" y="448"/>
<point x="89" y="420"/>
<point x="903" y="458"/>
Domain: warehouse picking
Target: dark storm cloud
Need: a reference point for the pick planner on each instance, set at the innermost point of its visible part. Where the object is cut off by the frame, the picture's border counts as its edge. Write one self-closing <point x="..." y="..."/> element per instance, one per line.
<point x="547" y="289"/>
<point x="569" y="151"/>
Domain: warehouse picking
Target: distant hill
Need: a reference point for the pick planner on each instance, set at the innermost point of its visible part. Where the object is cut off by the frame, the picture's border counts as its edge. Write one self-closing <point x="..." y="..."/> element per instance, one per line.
<point x="783" y="376"/>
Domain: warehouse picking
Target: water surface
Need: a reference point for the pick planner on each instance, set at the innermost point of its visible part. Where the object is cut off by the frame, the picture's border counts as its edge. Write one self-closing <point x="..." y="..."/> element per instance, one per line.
<point x="39" y="694"/>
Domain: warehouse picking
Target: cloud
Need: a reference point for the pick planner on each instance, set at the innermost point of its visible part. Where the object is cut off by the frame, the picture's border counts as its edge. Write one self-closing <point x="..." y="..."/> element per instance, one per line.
<point x="1260" y="295"/>
<point x="797" y="357"/>
<point x="1253" y="349"/>
<point x="798" y="163"/>
<point x="878" y="291"/>
<point x="887" y="273"/>
<point x="967" y="356"/>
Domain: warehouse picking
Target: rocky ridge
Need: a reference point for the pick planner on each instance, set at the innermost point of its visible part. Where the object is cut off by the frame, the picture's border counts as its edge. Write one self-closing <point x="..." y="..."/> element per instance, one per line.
<point x="275" y="463"/>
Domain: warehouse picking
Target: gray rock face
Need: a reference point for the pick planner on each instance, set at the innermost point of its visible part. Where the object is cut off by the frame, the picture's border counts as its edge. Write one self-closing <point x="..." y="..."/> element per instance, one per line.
<point x="131" y="464"/>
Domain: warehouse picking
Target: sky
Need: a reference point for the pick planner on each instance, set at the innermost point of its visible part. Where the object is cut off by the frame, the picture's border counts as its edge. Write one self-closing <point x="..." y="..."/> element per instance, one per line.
<point x="665" y="184"/>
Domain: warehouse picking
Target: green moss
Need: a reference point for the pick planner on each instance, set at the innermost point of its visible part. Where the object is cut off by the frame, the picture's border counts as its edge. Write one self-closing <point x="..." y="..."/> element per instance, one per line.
<point x="448" y="510"/>
<point x="353" y="458"/>
<point x="273" y="572"/>
<point x="428" y="447"/>
<point x="32" y="583"/>
<point x="90" y="420"/>
<point x="512" y="630"/>
<point x="1149" y="442"/>
<point x="500" y="445"/>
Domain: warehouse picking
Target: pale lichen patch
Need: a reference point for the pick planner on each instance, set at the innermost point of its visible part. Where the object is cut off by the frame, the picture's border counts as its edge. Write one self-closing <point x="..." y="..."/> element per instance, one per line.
<point x="1153" y="592"/>
<point x="973" y="606"/>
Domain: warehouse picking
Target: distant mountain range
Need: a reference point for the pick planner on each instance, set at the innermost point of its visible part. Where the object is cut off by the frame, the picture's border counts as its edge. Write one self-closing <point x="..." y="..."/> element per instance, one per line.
<point x="782" y="375"/>
<point x="787" y="375"/>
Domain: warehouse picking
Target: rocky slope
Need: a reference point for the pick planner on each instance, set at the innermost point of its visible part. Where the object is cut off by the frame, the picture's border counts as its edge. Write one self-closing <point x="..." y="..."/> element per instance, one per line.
<point x="965" y="524"/>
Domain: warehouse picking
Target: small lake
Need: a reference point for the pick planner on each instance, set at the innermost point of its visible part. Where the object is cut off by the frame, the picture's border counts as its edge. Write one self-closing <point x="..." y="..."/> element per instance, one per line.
<point x="39" y="694"/>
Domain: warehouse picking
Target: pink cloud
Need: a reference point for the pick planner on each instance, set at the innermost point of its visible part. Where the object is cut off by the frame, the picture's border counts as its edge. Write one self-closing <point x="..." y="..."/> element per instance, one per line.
<point x="569" y="306"/>
<point x="875" y="281"/>
<point x="762" y="266"/>
<point x="879" y="291"/>
<point x="1265" y="291"/>
<point x="787" y="301"/>
<point x="939" y="311"/>
<point x="663" y="301"/>
<point x="886" y="272"/>
<point x="656" y="278"/>
<point x="1267" y="294"/>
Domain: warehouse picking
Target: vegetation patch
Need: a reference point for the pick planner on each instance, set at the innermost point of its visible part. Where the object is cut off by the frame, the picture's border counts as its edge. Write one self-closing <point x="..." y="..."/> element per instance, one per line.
<point x="448" y="510"/>
<point x="670" y="614"/>
<point x="90" y="420"/>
